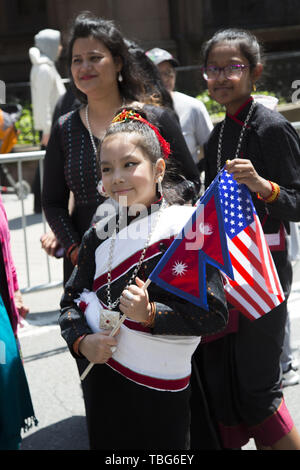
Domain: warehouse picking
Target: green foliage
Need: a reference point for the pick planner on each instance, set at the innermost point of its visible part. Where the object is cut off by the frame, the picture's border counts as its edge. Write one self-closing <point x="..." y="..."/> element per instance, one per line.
<point x="27" y="135"/>
<point x="215" y="109"/>
<point x="218" y="111"/>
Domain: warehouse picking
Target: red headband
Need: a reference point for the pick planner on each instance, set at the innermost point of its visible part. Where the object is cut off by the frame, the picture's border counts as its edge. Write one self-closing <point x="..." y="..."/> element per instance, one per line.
<point x="127" y="115"/>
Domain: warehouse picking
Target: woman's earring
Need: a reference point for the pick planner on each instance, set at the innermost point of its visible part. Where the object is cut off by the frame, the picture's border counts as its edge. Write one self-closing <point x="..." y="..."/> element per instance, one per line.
<point x="120" y="78"/>
<point x="254" y="87"/>
<point x="101" y="190"/>
<point x="159" y="186"/>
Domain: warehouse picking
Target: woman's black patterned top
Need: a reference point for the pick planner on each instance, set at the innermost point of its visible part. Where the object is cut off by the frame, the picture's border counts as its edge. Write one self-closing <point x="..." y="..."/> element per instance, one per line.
<point x="70" y="165"/>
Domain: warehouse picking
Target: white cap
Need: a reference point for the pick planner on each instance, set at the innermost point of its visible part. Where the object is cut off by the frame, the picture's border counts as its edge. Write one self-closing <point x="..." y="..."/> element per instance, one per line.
<point x="158" y="56"/>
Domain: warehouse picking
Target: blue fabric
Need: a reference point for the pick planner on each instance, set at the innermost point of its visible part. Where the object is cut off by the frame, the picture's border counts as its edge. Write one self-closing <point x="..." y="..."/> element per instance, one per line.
<point x="16" y="410"/>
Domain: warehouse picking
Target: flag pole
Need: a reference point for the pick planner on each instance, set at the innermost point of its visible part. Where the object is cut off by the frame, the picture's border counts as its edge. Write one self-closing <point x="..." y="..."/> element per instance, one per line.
<point x="112" y="333"/>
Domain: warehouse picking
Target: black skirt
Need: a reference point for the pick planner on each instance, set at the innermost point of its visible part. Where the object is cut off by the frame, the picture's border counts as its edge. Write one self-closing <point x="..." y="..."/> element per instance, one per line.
<point x="241" y="376"/>
<point x="126" y="416"/>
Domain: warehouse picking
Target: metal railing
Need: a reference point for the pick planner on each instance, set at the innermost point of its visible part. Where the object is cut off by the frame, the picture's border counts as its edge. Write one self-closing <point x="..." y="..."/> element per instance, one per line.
<point x="20" y="158"/>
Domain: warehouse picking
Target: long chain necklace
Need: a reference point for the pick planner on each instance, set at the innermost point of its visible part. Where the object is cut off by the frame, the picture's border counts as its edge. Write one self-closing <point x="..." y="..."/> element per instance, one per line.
<point x="238" y="148"/>
<point x="108" y="318"/>
<point x="89" y="129"/>
<point x="112" y="305"/>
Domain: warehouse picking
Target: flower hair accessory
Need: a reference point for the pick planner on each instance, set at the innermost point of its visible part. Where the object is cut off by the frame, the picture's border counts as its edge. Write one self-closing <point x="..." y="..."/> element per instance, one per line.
<point x="130" y="115"/>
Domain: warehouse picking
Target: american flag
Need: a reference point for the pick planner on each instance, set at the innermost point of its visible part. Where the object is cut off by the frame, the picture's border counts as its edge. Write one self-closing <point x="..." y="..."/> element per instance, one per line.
<point x="256" y="288"/>
<point x="228" y="235"/>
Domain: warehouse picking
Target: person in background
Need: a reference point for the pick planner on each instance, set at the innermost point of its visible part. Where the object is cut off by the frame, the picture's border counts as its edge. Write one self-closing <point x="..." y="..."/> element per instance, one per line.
<point x="153" y="83"/>
<point x="194" y="119"/>
<point x="46" y="89"/>
<point x="16" y="410"/>
<point x="289" y="363"/>
<point x="288" y="359"/>
<point x="66" y="103"/>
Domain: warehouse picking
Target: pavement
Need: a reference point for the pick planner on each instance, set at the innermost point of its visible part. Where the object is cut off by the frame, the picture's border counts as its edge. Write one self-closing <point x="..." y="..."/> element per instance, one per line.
<point x="51" y="371"/>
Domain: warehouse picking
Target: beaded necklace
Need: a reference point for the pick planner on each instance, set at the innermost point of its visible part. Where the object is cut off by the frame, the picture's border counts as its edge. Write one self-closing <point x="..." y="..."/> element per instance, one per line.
<point x="238" y="148"/>
<point x="89" y="129"/>
<point x="112" y="305"/>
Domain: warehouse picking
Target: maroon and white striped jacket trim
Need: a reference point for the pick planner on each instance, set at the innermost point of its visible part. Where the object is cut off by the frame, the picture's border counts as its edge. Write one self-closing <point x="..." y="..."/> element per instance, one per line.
<point x="174" y="385"/>
<point x="152" y="251"/>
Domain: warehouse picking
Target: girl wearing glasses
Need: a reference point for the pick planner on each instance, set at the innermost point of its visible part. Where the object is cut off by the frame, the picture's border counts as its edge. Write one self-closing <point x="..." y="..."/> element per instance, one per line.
<point x="260" y="148"/>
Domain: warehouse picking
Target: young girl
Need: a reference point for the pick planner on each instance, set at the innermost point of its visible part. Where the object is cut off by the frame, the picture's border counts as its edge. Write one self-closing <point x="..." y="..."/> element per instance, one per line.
<point x="261" y="149"/>
<point x="137" y="393"/>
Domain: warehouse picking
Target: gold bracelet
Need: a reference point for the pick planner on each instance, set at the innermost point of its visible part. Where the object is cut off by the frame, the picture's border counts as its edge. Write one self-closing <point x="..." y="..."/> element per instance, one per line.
<point x="151" y="317"/>
<point x="274" y="194"/>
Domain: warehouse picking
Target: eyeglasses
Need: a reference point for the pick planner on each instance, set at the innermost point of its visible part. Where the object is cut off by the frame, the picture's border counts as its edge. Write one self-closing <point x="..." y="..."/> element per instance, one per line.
<point x="230" y="71"/>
